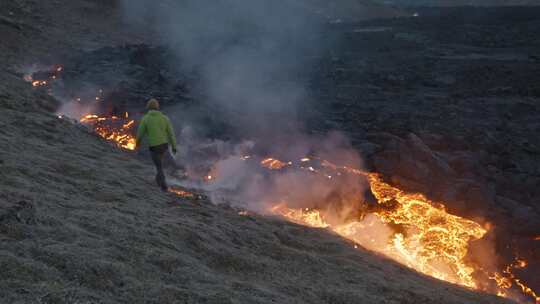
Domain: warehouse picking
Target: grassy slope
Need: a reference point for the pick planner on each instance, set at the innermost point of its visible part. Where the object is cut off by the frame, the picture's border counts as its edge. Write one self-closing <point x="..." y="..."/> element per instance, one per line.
<point x="81" y="222"/>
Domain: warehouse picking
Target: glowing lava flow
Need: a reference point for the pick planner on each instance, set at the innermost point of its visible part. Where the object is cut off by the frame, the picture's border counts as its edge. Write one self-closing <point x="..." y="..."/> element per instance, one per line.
<point x="428" y="238"/>
<point x="182" y="193"/>
<point x="304" y="216"/>
<point x="506" y="279"/>
<point x="46" y="78"/>
<point x="273" y="164"/>
<point x="434" y="242"/>
<point x="114" y="129"/>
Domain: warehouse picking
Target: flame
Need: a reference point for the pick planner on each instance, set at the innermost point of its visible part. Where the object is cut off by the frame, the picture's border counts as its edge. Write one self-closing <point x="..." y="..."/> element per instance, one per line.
<point x="527" y="290"/>
<point x="182" y="193"/>
<point x="39" y="83"/>
<point x="537" y="238"/>
<point x="305" y="216"/>
<point x="431" y="240"/>
<point x="273" y="164"/>
<point x="128" y="125"/>
<point x="507" y="278"/>
<point x="52" y="74"/>
<point x="108" y="128"/>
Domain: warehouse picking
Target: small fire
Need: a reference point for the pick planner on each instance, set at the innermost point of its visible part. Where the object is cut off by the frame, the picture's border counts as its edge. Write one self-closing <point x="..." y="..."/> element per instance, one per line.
<point x="306" y="216"/>
<point x="39" y="83"/>
<point x="537" y="238"/>
<point x="44" y="78"/>
<point x="182" y="193"/>
<point x="506" y="279"/>
<point x="113" y="128"/>
<point x="273" y="164"/>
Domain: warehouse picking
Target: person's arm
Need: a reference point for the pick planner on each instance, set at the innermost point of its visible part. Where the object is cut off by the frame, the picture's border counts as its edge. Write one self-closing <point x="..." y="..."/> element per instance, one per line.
<point x="170" y="135"/>
<point x="141" y="131"/>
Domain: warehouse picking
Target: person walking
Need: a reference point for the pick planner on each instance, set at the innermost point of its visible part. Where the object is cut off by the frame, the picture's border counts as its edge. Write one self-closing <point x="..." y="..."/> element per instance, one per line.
<point x="159" y="133"/>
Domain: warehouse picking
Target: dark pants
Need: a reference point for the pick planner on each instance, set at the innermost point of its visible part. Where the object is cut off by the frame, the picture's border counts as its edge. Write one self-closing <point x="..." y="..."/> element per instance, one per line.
<point x="157" y="157"/>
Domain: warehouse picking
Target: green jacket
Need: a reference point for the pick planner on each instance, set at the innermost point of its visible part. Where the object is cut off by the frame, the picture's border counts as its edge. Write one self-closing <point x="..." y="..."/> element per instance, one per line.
<point x="157" y="128"/>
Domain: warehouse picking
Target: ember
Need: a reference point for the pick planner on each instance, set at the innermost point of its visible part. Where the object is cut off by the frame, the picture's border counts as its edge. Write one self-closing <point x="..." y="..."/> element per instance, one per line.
<point x="273" y="164"/>
<point x="182" y="193"/>
<point x="113" y="128"/>
<point x="506" y="279"/>
<point x="39" y="83"/>
<point x="305" y="216"/>
<point x="44" y="78"/>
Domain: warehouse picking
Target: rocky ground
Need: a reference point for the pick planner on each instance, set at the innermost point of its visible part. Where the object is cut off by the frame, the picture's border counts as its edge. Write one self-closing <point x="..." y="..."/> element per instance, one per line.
<point x="453" y="116"/>
<point x="448" y="105"/>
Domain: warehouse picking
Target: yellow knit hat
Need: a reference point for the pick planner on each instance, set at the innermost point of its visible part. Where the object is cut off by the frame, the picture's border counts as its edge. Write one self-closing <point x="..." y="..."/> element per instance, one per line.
<point x="152" y="104"/>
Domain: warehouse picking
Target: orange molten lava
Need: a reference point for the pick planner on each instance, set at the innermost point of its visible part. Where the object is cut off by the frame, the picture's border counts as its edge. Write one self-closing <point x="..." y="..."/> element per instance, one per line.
<point x="434" y="242"/>
<point x="430" y="240"/>
<point x="273" y="164"/>
<point x="506" y="279"/>
<point x="115" y="129"/>
<point x="52" y="74"/>
<point x="39" y="83"/>
<point x="182" y="193"/>
<point x="304" y="216"/>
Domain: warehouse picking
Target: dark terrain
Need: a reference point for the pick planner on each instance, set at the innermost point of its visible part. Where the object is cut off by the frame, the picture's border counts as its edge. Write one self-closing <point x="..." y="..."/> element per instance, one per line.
<point x="446" y="104"/>
<point x="467" y="82"/>
<point x="464" y="80"/>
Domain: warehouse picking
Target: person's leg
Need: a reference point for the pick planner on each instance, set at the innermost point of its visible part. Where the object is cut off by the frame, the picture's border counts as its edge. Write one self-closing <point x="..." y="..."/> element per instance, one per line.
<point x="162" y="178"/>
<point x="158" y="161"/>
<point x="157" y="158"/>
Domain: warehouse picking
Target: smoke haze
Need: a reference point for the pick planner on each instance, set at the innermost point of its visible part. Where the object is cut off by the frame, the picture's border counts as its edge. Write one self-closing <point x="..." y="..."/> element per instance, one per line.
<point x="252" y="57"/>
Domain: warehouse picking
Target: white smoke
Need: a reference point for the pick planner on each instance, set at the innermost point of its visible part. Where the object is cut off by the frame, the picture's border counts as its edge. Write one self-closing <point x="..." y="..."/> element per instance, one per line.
<point x="253" y="59"/>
